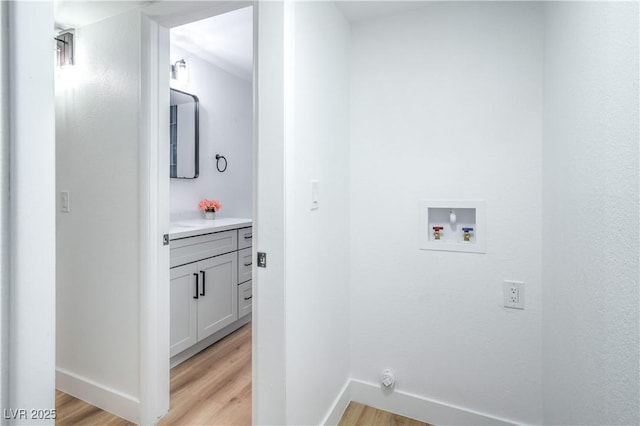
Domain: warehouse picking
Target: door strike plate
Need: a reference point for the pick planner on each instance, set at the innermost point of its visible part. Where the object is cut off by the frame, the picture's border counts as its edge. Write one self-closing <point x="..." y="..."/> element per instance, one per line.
<point x="262" y="259"/>
<point x="165" y="240"/>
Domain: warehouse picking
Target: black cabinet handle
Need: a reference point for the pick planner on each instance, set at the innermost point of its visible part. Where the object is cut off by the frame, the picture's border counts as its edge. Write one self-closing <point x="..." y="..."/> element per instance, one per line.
<point x="196" y="296"/>
<point x="203" y="283"/>
<point x="248" y="298"/>
<point x="248" y="264"/>
<point x="248" y="236"/>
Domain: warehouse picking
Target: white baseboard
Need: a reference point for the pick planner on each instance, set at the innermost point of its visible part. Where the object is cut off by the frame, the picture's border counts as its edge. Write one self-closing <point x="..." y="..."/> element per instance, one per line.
<point x="94" y="393"/>
<point x="408" y="405"/>
<point x="339" y="405"/>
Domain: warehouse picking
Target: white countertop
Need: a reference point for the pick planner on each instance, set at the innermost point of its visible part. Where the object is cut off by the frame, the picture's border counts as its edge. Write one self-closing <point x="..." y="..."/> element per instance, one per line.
<point x="192" y="227"/>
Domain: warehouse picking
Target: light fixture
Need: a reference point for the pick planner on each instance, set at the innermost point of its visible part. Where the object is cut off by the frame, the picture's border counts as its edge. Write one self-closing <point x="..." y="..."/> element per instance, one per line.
<point x="64" y="48"/>
<point x="179" y="71"/>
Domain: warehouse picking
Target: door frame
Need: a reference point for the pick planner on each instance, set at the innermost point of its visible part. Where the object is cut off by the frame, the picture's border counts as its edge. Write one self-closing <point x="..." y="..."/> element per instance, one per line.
<point x="268" y="395"/>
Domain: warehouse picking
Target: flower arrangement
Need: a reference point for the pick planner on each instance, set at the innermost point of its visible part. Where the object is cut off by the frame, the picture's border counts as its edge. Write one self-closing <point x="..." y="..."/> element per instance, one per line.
<point x="210" y="205"/>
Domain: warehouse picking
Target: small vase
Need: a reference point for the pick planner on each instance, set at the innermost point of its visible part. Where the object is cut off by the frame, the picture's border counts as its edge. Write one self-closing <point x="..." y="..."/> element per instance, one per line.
<point x="209" y="215"/>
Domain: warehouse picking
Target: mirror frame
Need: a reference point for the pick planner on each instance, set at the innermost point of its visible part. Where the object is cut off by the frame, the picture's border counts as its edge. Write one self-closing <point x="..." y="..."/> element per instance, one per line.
<point x="196" y="136"/>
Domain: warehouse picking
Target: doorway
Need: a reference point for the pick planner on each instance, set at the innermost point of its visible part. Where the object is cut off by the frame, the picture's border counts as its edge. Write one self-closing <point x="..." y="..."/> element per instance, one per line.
<point x="211" y="52"/>
<point x="212" y="75"/>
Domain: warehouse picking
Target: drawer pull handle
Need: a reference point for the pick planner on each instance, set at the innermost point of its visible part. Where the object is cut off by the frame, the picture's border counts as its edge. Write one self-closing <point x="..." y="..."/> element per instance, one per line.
<point x="248" y="264"/>
<point x="248" y="298"/>
<point x="197" y="287"/>
<point x="203" y="283"/>
<point x="248" y="236"/>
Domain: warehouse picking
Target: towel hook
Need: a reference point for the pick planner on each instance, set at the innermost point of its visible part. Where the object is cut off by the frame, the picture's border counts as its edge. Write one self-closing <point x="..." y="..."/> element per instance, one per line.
<point x="218" y="158"/>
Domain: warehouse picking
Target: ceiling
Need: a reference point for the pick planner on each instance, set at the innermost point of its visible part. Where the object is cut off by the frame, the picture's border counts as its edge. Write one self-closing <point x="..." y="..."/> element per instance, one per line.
<point x="76" y="14"/>
<point x="225" y="41"/>
<point x="356" y="11"/>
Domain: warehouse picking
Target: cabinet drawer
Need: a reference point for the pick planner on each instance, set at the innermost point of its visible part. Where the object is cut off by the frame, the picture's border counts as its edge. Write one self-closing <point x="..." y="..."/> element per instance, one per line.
<point x="192" y="249"/>
<point x="244" y="299"/>
<point x="244" y="237"/>
<point x="244" y="265"/>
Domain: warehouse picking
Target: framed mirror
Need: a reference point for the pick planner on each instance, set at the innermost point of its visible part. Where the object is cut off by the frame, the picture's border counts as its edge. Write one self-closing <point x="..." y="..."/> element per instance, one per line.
<point x="184" y="135"/>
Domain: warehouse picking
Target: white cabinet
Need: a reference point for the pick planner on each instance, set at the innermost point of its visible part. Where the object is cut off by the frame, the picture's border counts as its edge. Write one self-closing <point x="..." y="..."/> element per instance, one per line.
<point x="245" y="237"/>
<point x="206" y="271"/>
<point x="245" y="295"/>
<point x="203" y="300"/>
<point x="183" y="314"/>
<point x="218" y="300"/>
<point x="245" y="265"/>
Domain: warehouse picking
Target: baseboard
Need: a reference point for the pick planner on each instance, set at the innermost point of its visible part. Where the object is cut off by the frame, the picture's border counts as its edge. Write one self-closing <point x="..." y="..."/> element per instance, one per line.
<point x="408" y="405"/>
<point x="339" y="405"/>
<point x="94" y="393"/>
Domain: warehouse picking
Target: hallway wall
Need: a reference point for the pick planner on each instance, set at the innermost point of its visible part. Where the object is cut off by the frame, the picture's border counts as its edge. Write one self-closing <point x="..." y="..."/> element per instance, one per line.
<point x="317" y="241"/>
<point x="98" y="264"/>
<point x="446" y="103"/>
<point x="590" y="211"/>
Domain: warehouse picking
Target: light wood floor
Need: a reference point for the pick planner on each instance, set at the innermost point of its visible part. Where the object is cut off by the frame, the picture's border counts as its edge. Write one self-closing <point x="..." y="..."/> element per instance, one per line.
<point x="214" y="388"/>
<point x="363" y="415"/>
<point x="211" y="388"/>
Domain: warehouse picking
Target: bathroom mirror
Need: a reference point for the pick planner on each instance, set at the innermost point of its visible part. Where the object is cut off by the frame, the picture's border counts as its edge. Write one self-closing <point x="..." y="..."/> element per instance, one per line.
<point x="184" y="133"/>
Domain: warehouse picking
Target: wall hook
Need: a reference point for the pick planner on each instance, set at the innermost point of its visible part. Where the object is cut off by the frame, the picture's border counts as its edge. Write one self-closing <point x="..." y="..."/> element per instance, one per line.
<point x="218" y="158"/>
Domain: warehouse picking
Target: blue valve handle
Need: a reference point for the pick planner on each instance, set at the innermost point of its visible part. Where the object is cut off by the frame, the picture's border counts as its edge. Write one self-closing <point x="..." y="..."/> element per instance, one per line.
<point x="467" y="229"/>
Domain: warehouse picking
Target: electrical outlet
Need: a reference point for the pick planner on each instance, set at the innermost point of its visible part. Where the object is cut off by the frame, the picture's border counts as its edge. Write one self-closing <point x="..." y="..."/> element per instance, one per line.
<point x="513" y="294"/>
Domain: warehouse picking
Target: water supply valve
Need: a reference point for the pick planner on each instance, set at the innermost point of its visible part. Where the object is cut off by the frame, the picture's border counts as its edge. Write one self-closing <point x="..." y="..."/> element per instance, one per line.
<point x="436" y="232"/>
<point x="467" y="233"/>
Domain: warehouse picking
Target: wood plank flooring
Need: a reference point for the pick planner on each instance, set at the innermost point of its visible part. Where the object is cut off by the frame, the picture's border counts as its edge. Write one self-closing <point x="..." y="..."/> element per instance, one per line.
<point x="214" y="388"/>
<point x="72" y="411"/>
<point x="211" y="388"/>
<point x="362" y="415"/>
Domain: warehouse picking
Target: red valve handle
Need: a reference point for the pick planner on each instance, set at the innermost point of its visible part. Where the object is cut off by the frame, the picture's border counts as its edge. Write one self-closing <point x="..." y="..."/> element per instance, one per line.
<point x="438" y="228"/>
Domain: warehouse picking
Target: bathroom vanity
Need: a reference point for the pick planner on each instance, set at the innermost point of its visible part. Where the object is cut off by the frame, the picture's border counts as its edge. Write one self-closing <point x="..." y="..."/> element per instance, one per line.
<point x="210" y="287"/>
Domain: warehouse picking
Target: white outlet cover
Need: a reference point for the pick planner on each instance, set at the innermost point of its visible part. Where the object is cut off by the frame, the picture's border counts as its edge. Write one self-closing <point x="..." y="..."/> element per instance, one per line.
<point x="513" y="294"/>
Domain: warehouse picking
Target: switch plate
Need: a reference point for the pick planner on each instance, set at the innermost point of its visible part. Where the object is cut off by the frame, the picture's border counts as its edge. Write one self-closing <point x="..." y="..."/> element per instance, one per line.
<point x="315" y="195"/>
<point x="65" y="201"/>
<point x="513" y="294"/>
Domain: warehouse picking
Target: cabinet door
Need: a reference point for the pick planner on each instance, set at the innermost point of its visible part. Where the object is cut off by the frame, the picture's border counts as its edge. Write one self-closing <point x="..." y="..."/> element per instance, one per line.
<point x="218" y="306"/>
<point x="183" y="306"/>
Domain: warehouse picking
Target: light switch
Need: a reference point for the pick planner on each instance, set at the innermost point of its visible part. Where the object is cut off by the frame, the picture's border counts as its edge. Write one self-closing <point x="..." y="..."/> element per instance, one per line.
<point x="65" y="201"/>
<point x="315" y="195"/>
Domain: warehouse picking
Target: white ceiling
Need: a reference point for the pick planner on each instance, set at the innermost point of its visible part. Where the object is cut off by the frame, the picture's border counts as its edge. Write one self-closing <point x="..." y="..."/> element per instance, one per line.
<point x="225" y="41"/>
<point x="356" y="11"/>
<point x="78" y="13"/>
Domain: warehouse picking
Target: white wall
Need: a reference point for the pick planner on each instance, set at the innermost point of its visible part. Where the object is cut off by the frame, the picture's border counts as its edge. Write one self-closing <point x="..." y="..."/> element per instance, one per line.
<point x="446" y="103"/>
<point x="590" y="238"/>
<point x="226" y="128"/>
<point x="97" y="143"/>
<point x="317" y="253"/>
<point x="32" y="219"/>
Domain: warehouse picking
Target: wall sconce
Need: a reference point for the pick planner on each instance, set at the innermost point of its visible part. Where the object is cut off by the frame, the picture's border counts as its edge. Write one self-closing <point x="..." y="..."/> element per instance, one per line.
<point x="179" y="71"/>
<point x="64" y="48"/>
